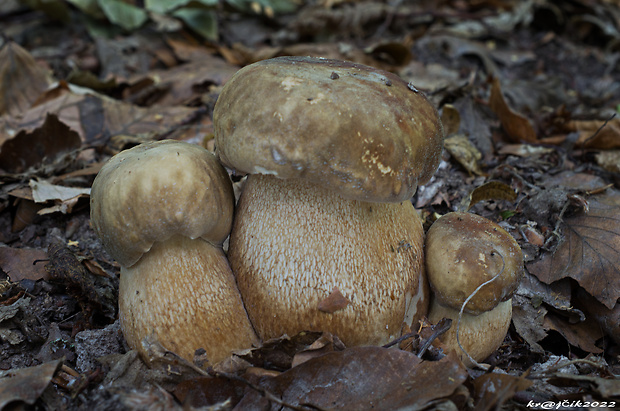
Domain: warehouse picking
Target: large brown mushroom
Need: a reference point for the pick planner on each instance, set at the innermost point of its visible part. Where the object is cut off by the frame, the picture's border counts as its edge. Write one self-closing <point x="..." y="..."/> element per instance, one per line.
<point x="162" y="210"/>
<point x="473" y="267"/>
<point x="325" y="236"/>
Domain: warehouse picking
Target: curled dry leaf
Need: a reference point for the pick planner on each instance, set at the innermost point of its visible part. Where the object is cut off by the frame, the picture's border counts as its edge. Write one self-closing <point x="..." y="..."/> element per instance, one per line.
<point x="589" y="252"/>
<point x="23" y="79"/>
<point x="464" y="152"/>
<point x="517" y="127"/>
<point x="597" y="134"/>
<point x="96" y="118"/>
<point x="53" y="139"/>
<point x="493" y="190"/>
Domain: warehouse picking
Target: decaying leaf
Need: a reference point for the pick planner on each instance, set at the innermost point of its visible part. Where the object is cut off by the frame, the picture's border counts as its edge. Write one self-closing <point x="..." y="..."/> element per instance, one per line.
<point x="609" y="160"/>
<point x="95" y="118"/>
<point x="517" y="127"/>
<point x="589" y="252"/>
<point x="23" y="79"/>
<point x="26" y="384"/>
<point x="278" y="353"/>
<point x="582" y="334"/>
<point x="451" y="119"/>
<point x="597" y="134"/>
<point x="64" y="197"/>
<point x="607" y="388"/>
<point x="19" y="263"/>
<point x="464" y="152"/>
<point x="492" y="390"/>
<point x="52" y="140"/>
<point x="493" y="190"/>
<point x="363" y="378"/>
<point x="333" y="302"/>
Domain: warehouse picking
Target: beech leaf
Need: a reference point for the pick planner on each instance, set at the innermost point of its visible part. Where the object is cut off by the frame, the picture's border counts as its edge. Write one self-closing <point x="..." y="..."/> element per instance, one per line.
<point x="362" y="378"/>
<point x="590" y="251"/>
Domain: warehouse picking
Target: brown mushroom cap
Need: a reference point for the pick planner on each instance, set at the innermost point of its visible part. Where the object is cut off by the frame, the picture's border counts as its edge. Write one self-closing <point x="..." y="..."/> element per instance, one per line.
<point x="462" y="252"/>
<point x="157" y="190"/>
<point x="360" y="131"/>
<point x="162" y="211"/>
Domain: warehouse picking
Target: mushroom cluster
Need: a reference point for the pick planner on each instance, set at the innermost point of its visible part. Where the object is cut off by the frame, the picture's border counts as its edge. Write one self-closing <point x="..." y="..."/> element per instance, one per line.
<point x="473" y="267"/>
<point x="162" y="211"/>
<point x="334" y="152"/>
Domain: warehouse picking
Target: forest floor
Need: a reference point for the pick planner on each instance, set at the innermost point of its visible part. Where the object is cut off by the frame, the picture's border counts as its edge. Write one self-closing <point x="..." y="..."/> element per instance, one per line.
<point x="529" y="95"/>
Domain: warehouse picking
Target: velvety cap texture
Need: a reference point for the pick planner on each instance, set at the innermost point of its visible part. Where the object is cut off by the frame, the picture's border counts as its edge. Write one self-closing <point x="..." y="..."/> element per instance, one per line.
<point x="464" y="250"/>
<point x="363" y="132"/>
<point x="156" y="190"/>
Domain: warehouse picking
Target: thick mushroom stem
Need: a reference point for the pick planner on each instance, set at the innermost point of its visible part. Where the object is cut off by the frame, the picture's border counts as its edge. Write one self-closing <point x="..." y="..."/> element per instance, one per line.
<point x="210" y="315"/>
<point x="479" y="335"/>
<point x="294" y="243"/>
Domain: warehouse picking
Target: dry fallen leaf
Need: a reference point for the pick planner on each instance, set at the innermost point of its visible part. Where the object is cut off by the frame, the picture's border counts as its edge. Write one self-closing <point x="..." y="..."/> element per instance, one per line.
<point x="26" y="384"/>
<point x="517" y="127"/>
<point x="582" y="334"/>
<point x="590" y="251"/>
<point x="597" y="134"/>
<point x="96" y="118"/>
<point x="493" y="190"/>
<point x="333" y="302"/>
<point x="491" y="390"/>
<point x="23" y="79"/>
<point x="19" y="263"/>
<point x="464" y="152"/>
<point x="53" y="140"/>
<point x="362" y="378"/>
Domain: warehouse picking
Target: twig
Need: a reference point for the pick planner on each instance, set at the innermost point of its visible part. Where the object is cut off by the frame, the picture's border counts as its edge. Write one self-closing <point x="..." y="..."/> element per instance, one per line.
<point x="599" y="130"/>
<point x="458" y="324"/>
<point x="440" y="328"/>
<point x="559" y="366"/>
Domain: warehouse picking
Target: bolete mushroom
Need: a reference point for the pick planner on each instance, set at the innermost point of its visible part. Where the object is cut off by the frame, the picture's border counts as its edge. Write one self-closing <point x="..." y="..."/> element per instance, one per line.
<point x="463" y="252"/>
<point x="325" y="236"/>
<point x="162" y="210"/>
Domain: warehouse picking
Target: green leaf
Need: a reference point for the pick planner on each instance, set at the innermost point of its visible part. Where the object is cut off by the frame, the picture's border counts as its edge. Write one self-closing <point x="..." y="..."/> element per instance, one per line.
<point x="164" y="6"/>
<point x="89" y="7"/>
<point x="203" y="22"/>
<point x="122" y="14"/>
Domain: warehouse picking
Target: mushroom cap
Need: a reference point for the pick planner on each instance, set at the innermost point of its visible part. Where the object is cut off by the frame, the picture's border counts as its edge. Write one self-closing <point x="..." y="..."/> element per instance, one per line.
<point x="156" y="190"/>
<point x="360" y="131"/>
<point x="462" y="253"/>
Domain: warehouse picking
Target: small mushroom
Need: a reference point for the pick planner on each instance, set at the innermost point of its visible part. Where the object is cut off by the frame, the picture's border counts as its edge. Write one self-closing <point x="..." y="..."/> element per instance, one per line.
<point x="335" y="154"/>
<point x="470" y="258"/>
<point x="162" y="210"/>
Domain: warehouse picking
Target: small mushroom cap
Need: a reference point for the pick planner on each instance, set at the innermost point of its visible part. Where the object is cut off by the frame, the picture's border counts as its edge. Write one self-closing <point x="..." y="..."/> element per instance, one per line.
<point x="156" y="190"/>
<point x="360" y="131"/>
<point x="462" y="252"/>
